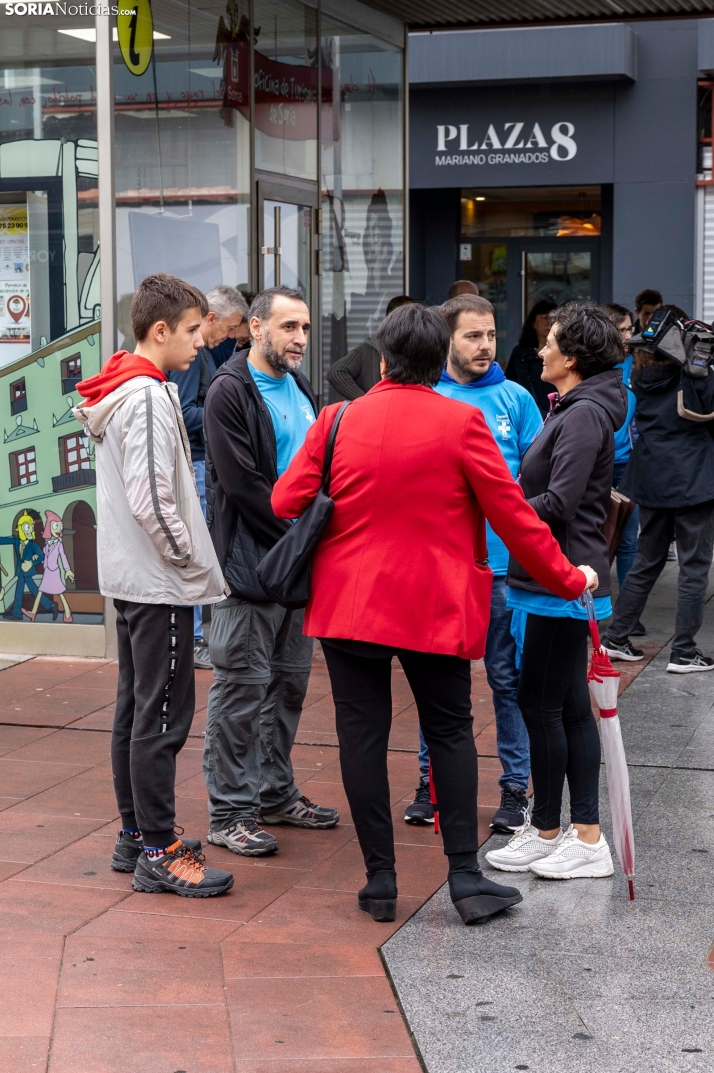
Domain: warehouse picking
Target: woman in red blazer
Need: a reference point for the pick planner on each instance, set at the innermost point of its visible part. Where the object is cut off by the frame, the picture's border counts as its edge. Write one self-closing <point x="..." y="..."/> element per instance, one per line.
<point x="402" y="570"/>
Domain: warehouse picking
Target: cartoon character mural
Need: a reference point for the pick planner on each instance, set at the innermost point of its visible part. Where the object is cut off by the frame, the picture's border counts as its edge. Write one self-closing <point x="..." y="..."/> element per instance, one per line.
<point x="28" y="556"/>
<point x="53" y="581"/>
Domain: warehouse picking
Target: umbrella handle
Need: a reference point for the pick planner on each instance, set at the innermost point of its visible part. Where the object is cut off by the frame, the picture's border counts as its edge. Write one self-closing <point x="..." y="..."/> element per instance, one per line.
<point x="589" y="603"/>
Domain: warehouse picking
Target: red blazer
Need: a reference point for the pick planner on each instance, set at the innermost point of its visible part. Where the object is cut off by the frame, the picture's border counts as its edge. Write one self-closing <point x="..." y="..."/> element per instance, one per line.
<point x="402" y="561"/>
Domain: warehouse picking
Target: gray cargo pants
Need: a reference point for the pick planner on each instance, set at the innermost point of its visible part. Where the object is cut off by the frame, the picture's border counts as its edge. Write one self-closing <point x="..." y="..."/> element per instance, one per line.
<point x="261" y="661"/>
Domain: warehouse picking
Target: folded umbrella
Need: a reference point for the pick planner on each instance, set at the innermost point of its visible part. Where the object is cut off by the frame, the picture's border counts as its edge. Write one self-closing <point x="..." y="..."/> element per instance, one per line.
<point x="603" y="681"/>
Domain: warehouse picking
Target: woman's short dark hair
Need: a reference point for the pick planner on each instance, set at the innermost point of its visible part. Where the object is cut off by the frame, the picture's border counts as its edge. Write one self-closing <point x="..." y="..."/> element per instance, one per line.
<point x="617" y="313"/>
<point x="586" y="333"/>
<point x="414" y="342"/>
<point x="529" y="336"/>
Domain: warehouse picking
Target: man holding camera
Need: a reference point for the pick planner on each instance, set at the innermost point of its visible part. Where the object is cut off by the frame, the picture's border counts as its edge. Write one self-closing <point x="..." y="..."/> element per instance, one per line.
<point x="671" y="476"/>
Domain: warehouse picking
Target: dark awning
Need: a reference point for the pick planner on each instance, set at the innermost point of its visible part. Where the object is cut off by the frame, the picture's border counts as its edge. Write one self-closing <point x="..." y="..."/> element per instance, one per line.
<point x="423" y="14"/>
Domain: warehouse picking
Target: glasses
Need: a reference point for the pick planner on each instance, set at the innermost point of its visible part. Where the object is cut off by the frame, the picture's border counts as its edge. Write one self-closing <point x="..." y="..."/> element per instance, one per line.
<point x="626" y="332"/>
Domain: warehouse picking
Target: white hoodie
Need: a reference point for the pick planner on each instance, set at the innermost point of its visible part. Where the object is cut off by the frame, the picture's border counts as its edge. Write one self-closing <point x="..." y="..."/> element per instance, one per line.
<point x="153" y="545"/>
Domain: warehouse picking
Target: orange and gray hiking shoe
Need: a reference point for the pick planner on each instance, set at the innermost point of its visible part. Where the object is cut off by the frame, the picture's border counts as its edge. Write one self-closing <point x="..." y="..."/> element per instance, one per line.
<point x="180" y="871"/>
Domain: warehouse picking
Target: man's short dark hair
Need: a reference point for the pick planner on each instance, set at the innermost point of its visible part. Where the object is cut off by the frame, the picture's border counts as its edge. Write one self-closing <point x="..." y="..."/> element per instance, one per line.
<point x="648" y="297"/>
<point x="163" y="297"/>
<point x="414" y="342"/>
<point x="400" y="300"/>
<point x="616" y="313"/>
<point x="586" y="333"/>
<point x="262" y="305"/>
<point x="452" y="309"/>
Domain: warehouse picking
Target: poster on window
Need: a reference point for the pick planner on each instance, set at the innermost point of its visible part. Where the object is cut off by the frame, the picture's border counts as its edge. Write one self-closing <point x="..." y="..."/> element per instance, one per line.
<point x="14" y="274"/>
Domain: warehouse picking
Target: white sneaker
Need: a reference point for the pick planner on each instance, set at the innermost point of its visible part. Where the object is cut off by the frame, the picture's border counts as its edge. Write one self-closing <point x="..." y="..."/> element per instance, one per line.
<point x="574" y="859"/>
<point x="522" y="850"/>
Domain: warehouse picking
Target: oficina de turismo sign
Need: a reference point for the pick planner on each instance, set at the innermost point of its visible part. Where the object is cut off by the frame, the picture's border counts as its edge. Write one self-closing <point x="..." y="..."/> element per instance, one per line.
<point x="503" y="143"/>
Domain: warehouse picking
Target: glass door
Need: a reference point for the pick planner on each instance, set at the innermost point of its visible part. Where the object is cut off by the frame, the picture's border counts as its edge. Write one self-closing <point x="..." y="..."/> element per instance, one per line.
<point x="287" y="218"/>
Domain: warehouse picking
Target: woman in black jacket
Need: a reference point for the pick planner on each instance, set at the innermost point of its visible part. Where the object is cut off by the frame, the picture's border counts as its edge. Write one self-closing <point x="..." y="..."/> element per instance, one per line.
<point x="671" y="474"/>
<point x="525" y="365"/>
<point x="566" y="476"/>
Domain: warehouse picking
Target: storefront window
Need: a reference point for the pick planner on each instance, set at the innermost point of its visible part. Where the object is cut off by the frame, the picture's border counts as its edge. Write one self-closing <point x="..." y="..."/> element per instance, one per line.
<point x="361" y="185"/>
<point x="548" y="211"/>
<point x="49" y="317"/>
<point x="182" y="158"/>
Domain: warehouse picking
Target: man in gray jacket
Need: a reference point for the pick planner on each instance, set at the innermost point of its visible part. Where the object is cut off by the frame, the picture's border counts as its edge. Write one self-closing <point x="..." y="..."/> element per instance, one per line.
<point x="156" y="561"/>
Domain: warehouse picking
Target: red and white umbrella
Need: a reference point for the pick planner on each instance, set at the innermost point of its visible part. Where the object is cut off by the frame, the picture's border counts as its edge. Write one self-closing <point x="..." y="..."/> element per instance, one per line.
<point x="603" y="681"/>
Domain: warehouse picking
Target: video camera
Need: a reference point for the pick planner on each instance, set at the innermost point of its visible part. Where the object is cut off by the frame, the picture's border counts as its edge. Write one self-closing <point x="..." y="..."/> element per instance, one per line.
<point x="689" y="343"/>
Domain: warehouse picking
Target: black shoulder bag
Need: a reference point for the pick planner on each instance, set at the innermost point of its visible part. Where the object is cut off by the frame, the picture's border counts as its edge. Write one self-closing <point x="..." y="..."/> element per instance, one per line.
<point x="285" y="572"/>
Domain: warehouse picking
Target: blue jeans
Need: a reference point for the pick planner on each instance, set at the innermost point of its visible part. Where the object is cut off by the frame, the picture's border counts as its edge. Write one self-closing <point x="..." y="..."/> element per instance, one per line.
<point x="500" y="661"/>
<point x="627" y="550"/>
<point x="200" y="471"/>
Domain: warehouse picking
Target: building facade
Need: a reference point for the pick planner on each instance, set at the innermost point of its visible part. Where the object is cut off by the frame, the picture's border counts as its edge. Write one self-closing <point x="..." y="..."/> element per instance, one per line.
<point x="559" y="162"/>
<point x="248" y="143"/>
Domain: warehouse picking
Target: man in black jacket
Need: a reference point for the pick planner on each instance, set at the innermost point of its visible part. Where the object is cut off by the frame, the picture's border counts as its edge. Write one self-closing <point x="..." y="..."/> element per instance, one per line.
<point x="256" y="416"/>
<point x="671" y="476"/>
<point x="358" y="371"/>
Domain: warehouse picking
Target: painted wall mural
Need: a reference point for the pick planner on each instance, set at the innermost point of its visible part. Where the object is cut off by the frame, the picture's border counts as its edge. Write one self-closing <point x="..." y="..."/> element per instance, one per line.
<point x="48" y="540"/>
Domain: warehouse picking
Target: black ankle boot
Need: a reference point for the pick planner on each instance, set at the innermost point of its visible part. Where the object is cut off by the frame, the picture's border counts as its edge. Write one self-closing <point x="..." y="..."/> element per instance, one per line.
<point x="475" y="898"/>
<point x="379" y="897"/>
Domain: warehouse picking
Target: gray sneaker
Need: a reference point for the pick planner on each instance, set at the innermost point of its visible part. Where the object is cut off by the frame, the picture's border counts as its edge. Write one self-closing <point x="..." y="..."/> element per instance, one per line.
<point x="245" y="837"/>
<point x="302" y="813"/>
<point x="200" y="656"/>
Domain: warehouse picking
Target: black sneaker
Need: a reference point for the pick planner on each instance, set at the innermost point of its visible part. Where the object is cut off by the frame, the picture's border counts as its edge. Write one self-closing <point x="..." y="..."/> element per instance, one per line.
<point x="127" y="851"/>
<point x="640" y="630"/>
<point x="513" y="810"/>
<point x="201" y="658"/>
<point x="421" y="810"/>
<point x="622" y="649"/>
<point x="689" y="664"/>
<point x="180" y="871"/>
<point x="303" y="813"/>
<point x="244" y="836"/>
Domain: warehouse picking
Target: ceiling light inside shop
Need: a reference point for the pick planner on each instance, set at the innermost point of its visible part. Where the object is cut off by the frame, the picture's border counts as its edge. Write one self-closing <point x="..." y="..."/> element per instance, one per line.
<point x="480" y="198"/>
<point x="91" y="35"/>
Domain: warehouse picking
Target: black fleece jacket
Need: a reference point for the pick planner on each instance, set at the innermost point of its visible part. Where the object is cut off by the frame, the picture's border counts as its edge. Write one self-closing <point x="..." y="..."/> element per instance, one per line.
<point x="566" y="474"/>
<point x="241" y="469"/>
<point x="672" y="464"/>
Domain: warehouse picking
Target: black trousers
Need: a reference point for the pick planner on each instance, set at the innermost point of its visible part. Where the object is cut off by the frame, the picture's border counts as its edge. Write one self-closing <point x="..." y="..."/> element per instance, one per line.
<point x="156" y="697"/>
<point x="554" y="698"/>
<point x="361" y="687"/>
<point x="693" y="529"/>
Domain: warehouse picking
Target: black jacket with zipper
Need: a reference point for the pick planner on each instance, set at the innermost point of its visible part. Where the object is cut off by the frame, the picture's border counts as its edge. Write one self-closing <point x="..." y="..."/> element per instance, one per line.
<point x="672" y="464"/>
<point x="566" y="474"/>
<point x="241" y="469"/>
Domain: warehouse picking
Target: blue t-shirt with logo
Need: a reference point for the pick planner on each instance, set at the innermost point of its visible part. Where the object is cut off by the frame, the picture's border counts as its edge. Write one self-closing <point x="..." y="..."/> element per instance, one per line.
<point x="290" y="409"/>
<point x="514" y="420"/>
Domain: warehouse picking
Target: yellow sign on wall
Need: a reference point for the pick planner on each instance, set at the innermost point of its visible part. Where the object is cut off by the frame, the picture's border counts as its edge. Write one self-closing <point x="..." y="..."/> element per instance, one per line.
<point x="136" y="36"/>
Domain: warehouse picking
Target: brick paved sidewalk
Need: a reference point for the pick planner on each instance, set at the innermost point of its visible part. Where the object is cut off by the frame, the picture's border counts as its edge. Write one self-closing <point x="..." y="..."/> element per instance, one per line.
<point x="282" y="974"/>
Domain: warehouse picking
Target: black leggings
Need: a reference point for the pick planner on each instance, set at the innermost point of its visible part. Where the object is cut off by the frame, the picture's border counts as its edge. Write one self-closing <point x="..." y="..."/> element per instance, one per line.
<point x="554" y="698"/>
<point x="361" y="688"/>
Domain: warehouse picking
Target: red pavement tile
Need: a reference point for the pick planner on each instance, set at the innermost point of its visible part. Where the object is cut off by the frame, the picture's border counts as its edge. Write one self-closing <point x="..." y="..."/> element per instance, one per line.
<point x="86" y="748"/>
<point x="142" y="1039"/>
<point x="117" y="923"/>
<point x="381" y="1064"/>
<point x="99" y="720"/>
<point x="298" y="849"/>
<point x="83" y="864"/>
<point x="272" y="960"/>
<point x="28" y="989"/>
<point x="79" y="796"/>
<point x="343" y="1017"/>
<point x="27" y="778"/>
<point x="10" y="868"/>
<point x="420" y="870"/>
<point x="30" y="912"/>
<point x="26" y="836"/>
<point x="24" y="1054"/>
<point x="139" y="972"/>
<point x="14" y="737"/>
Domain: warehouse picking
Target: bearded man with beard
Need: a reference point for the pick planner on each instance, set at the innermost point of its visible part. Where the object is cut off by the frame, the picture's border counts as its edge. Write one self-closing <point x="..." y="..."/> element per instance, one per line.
<point x="473" y="376"/>
<point x="257" y="412"/>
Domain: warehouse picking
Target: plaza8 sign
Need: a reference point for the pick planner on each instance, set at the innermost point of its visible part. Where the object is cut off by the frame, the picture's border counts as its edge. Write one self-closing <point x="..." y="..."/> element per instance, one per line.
<point x="504" y="143"/>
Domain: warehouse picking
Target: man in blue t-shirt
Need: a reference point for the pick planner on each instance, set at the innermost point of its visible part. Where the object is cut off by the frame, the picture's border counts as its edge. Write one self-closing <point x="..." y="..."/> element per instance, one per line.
<point x="473" y="376"/>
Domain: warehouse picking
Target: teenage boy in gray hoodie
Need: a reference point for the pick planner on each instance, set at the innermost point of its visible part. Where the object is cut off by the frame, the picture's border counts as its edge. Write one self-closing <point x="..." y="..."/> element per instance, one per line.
<point x="156" y="561"/>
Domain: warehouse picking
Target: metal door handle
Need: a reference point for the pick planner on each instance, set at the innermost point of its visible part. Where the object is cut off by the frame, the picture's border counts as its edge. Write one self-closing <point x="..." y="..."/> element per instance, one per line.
<point x="275" y="250"/>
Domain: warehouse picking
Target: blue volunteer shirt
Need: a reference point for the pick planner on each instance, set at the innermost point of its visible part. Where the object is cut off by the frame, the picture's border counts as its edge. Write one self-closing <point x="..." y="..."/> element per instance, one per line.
<point x="624" y="440"/>
<point x="514" y="419"/>
<point x="291" y="411"/>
